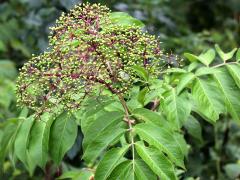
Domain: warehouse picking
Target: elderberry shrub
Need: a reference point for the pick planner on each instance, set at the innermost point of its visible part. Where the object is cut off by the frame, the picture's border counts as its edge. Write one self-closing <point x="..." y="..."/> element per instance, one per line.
<point x="87" y="51"/>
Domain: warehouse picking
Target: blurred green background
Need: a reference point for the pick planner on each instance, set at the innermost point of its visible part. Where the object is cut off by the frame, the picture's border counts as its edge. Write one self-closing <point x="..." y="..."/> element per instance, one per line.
<point x="183" y="26"/>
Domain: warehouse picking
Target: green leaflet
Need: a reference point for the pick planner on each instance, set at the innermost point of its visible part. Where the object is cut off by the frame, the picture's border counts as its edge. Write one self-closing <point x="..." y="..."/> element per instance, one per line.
<point x="24" y="113"/>
<point x="155" y="92"/>
<point x="87" y="121"/>
<point x="146" y="115"/>
<point x="7" y="93"/>
<point x="124" y="19"/>
<point x="135" y="169"/>
<point x="164" y="140"/>
<point x="100" y="124"/>
<point x="194" y="128"/>
<point x="115" y="106"/>
<point x="142" y="171"/>
<point x="185" y="79"/>
<point x="62" y="136"/>
<point x="191" y="57"/>
<point x="207" y="57"/>
<point x="135" y="95"/>
<point x="22" y="140"/>
<point x="128" y="173"/>
<point x="141" y="72"/>
<point x="120" y="171"/>
<point x="179" y="138"/>
<point x="234" y="70"/>
<point x="238" y="55"/>
<point x="230" y="92"/>
<point x="207" y="98"/>
<point x="157" y="161"/>
<point x="94" y="107"/>
<point x="225" y="56"/>
<point x="176" y="107"/>
<point x="9" y="135"/>
<point x="193" y="66"/>
<point x="39" y="140"/>
<point x="205" y="71"/>
<point x="110" y="160"/>
<point x="77" y="175"/>
<point x="142" y="96"/>
<point x="102" y="140"/>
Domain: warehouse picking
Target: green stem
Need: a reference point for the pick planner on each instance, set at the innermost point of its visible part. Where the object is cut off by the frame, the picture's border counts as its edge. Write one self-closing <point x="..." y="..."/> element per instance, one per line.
<point x="222" y="64"/>
<point x="129" y="121"/>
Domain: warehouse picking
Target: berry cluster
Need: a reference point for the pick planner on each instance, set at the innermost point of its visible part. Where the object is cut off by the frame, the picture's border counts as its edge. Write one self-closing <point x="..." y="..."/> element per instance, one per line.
<point x="87" y="52"/>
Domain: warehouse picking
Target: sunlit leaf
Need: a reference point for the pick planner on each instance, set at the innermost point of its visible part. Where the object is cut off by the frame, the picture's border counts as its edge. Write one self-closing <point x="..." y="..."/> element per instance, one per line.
<point x="191" y="57"/>
<point x="82" y="174"/>
<point x="124" y="19"/>
<point x="238" y="55"/>
<point x="185" y="79"/>
<point x="205" y="71"/>
<point x="225" y="56"/>
<point x="207" y="57"/>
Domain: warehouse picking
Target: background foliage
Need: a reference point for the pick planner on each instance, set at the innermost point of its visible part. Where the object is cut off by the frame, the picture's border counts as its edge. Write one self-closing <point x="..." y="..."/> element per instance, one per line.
<point x="183" y="25"/>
